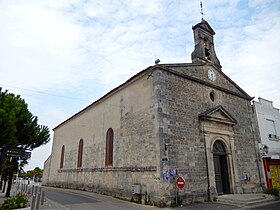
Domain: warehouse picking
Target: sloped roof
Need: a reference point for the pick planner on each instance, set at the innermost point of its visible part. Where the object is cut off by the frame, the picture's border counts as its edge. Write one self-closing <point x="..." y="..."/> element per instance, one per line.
<point x="205" y="25"/>
<point x="148" y="69"/>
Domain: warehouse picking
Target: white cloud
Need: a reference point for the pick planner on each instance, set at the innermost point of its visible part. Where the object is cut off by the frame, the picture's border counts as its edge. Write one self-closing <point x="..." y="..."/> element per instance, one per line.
<point x="38" y="41"/>
<point x="249" y="54"/>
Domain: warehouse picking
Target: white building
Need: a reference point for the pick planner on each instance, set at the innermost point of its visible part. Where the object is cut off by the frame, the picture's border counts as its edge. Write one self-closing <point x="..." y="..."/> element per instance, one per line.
<point x="268" y="118"/>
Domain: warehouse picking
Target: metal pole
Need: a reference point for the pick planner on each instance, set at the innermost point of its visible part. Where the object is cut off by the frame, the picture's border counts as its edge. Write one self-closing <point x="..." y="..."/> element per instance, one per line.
<point x="36" y="189"/>
<point x="29" y="188"/>
<point x="176" y="194"/>
<point x="32" y="190"/>
<point x="176" y="198"/>
<point x="18" y="187"/>
<point x="38" y="198"/>
<point x="21" y="188"/>
<point x="43" y="197"/>
<point x="33" y="202"/>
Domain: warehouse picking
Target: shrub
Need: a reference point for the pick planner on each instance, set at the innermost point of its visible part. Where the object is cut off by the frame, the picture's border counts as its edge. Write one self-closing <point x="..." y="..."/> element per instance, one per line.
<point x="19" y="201"/>
<point x="160" y="204"/>
<point x="272" y="191"/>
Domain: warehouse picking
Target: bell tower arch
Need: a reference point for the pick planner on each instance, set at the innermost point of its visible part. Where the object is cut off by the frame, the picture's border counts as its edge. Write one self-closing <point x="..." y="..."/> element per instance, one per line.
<point x="204" y="50"/>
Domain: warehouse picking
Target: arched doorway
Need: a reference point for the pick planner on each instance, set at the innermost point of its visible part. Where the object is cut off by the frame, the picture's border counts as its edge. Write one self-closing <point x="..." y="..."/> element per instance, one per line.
<point x="221" y="168"/>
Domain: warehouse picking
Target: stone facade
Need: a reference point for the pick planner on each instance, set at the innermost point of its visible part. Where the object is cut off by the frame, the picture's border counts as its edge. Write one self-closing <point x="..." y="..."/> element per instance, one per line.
<point x="168" y="116"/>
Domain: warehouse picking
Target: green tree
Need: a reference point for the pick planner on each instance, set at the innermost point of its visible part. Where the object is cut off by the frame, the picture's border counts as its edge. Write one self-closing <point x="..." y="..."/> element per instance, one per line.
<point x="36" y="173"/>
<point x="19" y="128"/>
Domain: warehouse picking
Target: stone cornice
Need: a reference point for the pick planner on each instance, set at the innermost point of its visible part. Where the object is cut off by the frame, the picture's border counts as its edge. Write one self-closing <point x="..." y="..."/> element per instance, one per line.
<point x="110" y="169"/>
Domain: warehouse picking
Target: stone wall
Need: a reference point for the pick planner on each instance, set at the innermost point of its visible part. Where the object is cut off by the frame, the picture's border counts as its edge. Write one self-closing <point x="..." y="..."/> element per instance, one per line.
<point x="130" y="112"/>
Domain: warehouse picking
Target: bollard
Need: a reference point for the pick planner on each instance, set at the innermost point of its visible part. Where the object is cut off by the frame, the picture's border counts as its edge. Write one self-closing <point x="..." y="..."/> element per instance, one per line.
<point x="33" y="202"/>
<point x="32" y="190"/>
<point x="21" y="188"/>
<point x="17" y="187"/>
<point x="36" y="189"/>
<point x="43" y="197"/>
<point x="28" y="189"/>
<point x="38" y="198"/>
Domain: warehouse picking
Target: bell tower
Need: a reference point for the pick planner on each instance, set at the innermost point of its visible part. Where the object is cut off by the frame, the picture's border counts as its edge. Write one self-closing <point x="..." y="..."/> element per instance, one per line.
<point x="204" y="50"/>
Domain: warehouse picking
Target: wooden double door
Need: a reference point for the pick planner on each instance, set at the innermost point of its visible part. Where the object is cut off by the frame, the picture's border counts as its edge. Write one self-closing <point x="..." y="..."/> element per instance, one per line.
<point x="221" y="168"/>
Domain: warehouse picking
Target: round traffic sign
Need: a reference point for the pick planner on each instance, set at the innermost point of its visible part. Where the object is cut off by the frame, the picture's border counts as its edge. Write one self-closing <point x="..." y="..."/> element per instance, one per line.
<point x="180" y="182"/>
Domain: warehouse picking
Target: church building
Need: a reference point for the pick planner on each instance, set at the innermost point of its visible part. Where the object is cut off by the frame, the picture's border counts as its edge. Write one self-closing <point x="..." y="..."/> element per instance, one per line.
<point x="187" y="120"/>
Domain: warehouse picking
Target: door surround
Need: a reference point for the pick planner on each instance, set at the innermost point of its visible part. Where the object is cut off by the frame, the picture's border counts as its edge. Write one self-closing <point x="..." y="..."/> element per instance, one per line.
<point x="217" y="124"/>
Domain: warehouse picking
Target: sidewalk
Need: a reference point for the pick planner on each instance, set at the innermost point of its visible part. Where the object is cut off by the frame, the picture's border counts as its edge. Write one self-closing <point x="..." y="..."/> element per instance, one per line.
<point x="228" y="202"/>
<point x="245" y="199"/>
<point x="2" y="195"/>
<point x="15" y="189"/>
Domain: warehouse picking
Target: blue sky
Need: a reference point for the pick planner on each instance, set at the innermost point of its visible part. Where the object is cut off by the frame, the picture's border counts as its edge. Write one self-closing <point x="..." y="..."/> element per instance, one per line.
<point x="60" y="56"/>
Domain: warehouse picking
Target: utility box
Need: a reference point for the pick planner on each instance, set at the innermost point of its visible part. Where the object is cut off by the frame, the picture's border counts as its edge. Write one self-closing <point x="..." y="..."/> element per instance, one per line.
<point x="136" y="189"/>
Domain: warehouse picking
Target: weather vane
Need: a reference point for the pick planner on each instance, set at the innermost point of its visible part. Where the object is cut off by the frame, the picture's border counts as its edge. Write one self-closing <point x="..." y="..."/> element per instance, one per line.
<point x="201" y="10"/>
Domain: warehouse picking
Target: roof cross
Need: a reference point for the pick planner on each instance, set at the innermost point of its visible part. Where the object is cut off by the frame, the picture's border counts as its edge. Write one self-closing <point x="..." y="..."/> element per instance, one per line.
<point x="201" y="10"/>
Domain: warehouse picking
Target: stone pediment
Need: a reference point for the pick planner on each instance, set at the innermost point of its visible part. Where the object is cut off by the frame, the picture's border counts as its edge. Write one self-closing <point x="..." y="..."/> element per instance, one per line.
<point x="218" y="114"/>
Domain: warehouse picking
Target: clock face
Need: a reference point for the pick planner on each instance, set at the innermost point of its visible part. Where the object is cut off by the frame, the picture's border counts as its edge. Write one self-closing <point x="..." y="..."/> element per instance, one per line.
<point x="211" y="74"/>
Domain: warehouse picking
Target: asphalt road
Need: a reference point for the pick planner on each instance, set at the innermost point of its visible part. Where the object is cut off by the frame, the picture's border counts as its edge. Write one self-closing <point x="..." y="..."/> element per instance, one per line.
<point x="68" y="197"/>
<point x="270" y="206"/>
<point x="65" y="199"/>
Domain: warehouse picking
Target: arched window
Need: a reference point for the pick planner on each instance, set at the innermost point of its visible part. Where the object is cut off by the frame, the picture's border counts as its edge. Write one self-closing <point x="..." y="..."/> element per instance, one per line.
<point x="80" y="154"/>
<point x="109" y="147"/>
<point x="218" y="148"/>
<point x="207" y="48"/>
<point x="62" y="156"/>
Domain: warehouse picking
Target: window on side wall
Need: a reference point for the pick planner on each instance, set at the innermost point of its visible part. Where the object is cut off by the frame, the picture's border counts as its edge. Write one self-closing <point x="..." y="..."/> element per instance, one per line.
<point x="62" y="156"/>
<point x="80" y="154"/>
<point x="271" y="129"/>
<point x="109" y="147"/>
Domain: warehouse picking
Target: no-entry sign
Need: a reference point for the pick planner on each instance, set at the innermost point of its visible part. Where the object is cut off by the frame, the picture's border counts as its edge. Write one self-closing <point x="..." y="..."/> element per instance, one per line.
<point x="180" y="182"/>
